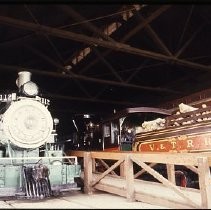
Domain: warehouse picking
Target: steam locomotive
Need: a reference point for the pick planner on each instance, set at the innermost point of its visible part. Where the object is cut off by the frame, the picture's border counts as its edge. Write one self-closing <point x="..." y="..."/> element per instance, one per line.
<point x="32" y="162"/>
<point x="147" y="129"/>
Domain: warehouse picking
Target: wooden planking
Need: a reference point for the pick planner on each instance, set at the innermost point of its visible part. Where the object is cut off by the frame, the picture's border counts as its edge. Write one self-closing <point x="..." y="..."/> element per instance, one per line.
<point x="111" y="189"/>
<point x="160" y="201"/>
<point x="149" y="192"/>
<point x="190" y="160"/>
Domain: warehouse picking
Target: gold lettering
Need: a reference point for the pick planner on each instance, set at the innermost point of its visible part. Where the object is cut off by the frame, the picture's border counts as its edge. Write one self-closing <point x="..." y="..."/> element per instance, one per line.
<point x="190" y="143"/>
<point x="162" y="146"/>
<point x="152" y="147"/>
<point x="173" y="144"/>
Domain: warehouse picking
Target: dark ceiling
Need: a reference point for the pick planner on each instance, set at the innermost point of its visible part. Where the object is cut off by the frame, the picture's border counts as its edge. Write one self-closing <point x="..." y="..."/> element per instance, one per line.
<point x="94" y="58"/>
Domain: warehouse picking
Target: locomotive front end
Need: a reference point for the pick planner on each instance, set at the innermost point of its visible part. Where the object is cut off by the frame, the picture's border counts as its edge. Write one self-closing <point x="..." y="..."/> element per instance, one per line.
<point x="26" y="124"/>
<point x="32" y="162"/>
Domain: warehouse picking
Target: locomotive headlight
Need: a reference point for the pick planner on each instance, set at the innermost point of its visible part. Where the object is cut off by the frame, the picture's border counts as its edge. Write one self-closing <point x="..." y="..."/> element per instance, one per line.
<point x="30" y="89"/>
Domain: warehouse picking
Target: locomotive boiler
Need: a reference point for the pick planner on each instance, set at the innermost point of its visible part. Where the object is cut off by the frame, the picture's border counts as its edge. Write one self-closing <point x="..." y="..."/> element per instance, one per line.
<point x="32" y="162"/>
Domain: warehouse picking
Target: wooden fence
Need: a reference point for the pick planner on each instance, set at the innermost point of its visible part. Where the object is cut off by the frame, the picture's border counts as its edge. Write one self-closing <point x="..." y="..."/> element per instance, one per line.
<point x="164" y="192"/>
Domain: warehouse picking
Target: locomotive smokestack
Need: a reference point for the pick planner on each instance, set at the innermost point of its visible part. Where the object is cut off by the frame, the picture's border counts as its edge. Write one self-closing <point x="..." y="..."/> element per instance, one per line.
<point x="24" y="76"/>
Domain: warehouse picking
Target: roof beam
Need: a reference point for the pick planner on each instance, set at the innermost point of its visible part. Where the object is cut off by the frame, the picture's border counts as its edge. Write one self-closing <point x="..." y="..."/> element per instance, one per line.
<point x="97" y="52"/>
<point x="155" y="37"/>
<point x="107" y="31"/>
<point x="81" y="38"/>
<point x="142" y="25"/>
<point x="183" y="48"/>
<point x="84" y="78"/>
<point x="59" y="66"/>
<point x="46" y="36"/>
<point x="90" y="26"/>
<point x="93" y="100"/>
<point x="94" y="41"/>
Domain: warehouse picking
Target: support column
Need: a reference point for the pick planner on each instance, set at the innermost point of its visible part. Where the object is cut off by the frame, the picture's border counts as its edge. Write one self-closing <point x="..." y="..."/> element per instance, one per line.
<point x="130" y="194"/>
<point x="122" y="170"/>
<point x="171" y="173"/>
<point x="204" y="182"/>
<point x="87" y="173"/>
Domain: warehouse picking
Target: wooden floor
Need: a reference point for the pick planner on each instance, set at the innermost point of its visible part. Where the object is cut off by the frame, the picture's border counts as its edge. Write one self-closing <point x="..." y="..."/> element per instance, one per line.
<point x="79" y="200"/>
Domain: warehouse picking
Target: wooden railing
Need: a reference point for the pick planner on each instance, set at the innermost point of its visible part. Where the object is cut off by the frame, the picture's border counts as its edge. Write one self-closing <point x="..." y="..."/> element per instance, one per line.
<point x="126" y="184"/>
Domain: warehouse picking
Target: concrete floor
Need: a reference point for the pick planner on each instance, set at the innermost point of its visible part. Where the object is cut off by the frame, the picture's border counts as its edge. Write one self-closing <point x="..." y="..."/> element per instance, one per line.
<point x="78" y="200"/>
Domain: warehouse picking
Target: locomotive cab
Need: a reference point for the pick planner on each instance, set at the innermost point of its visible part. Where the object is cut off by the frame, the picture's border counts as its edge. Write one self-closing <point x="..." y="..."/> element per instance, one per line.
<point x="120" y="129"/>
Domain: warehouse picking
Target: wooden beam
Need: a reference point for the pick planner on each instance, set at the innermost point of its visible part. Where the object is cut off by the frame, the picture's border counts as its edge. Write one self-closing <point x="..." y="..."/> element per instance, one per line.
<point x="87" y="173"/>
<point x="108" y="171"/>
<point x="204" y="182"/>
<point x="129" y="179"/>
<point x="193" y="168"/>
<point x="151" y="157"/>
<point x="93" y="165"/>
<point x="156" y="157"/>
<point x="107" y="166"/>
<point x="163" y="180"/>
<point x="122" y="170"/>
<point x="171" y="173"/>
<point x="111" y="189"/>
<point x="139" y="173"/>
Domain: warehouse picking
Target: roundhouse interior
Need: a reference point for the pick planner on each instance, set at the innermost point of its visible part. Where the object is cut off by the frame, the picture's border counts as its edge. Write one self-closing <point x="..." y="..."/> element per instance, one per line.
<point x="97" y="58"/>
<point x="94" y="73"/>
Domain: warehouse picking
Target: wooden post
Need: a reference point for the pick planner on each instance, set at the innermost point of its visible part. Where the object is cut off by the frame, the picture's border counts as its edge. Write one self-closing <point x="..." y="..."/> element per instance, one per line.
<point x="93" y="165"/>
<point x="204" y="182"/>
<point x="122" y="170"/>
<point x="129" y="174"/>
<point x="87" y="173"/>
<point x="171" y="173"/>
